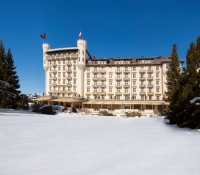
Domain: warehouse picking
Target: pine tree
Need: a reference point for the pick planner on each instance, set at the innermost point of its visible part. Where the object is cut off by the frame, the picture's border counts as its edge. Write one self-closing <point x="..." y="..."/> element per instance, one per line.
<point x="10" y="76"/>
<point x="173" y="85"/>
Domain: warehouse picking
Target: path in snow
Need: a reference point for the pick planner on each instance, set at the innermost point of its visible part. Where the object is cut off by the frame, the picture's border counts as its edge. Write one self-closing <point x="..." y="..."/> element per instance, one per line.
<point x="69" y="144"/>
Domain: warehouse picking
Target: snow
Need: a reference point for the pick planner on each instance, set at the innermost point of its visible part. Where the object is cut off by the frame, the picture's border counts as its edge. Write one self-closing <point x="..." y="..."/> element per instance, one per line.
<point x="72" y="144"/>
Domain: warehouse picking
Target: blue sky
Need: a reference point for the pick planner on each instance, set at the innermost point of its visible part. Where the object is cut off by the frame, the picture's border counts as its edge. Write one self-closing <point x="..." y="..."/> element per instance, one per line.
<point x="123" y="28"/>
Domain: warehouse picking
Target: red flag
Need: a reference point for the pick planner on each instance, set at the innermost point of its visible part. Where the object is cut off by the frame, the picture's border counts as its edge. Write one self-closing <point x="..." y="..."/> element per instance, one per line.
<point x="80" y="34"/>
<point x="43" y="36"/>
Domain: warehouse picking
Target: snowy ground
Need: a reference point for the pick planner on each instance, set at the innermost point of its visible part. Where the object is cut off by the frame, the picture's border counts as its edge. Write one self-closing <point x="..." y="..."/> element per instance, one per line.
<point x="69" y="144"/>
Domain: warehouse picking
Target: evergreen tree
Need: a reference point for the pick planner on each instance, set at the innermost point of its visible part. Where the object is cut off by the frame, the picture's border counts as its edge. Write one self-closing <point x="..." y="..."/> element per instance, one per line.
<point x="10" y="76"/>
<point x="173" y="85"/>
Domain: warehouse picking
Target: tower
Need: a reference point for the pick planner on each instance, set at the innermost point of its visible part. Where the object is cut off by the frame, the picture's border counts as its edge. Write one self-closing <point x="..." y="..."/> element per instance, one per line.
<point x="45" y="48"/>
<point x="82" y="46"/>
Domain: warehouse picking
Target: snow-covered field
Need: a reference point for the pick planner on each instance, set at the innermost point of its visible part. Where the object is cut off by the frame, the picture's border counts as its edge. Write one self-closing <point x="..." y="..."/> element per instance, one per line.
<point x="70" y="144"/>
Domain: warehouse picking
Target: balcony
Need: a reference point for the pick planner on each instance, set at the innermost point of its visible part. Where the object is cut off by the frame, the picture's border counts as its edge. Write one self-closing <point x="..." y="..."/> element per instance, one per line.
<point x="74" y="56"/>
<point x="142" y="71"/>
<point x="102" y="93"/>
<point x="103" y="78"/>
<point x="149" y="70"/>
<point x="49" y="58"/>
<point x="118" y="71"/>
<point x="54" y="78"/>
<point x="68" y="84"/>
<point x="126" y="85"/>
<point x="102" y="86"/>
<point x="118" y="93"/>
<point x="95" y="78"/>
<point x="102" y="71"/>
<point x="54" y="65"/>
<point x="118" y="86"/>
<point x="54" y="84"/>
<point x="126" y="93"/>
<point x="69" y="64"/>
<point x="150" y="85"/>
<point x="95" y="86"/>
<point x="118" y="79"/>
<point x="69" y="92"/>
<point x="95" y="93"/>
<point x="142" y="93"/>
<point x="150" y="93"/>
<point x="67" y="56"/>
<point x="126" y="71"/>
<point x="149" y="78"/>
<point x="95" y="71"/>
<point x="69" y="71"/>
<point x="54" y="71"/>
<point x="142" y="85"/>
<point x="126" y="78"/>
<point x="142" y="78"/>
<point x="69" y="77"/>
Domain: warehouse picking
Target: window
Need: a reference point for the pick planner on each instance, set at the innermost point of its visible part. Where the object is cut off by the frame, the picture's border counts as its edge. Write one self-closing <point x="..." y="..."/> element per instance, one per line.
<point x="134" y="75"/>
<point x="126" y="68"/>
<point x="126" y="90"/>
<point x="83" y="59"/>
<point x="157" y="67"/>
<point x="88" y="69"/>
<point x="118" y="90"/>
<point x="157" y="75"/>
<point x="142" y="89"/>
<point x="149" y="68"/>
<point x="142" y="82"/>
<point x="88" y="75"/>
<point x="83" y="52"/>
<point x="118" y="76"/>
<point x="88" y="97"/>
<point x="118" y="69"/>
<point x="88" y="89"/>
<point x="134" y="68"/>
<point x="63" y="74"/>
<point x="95" y="76"/>
<point x="50" y="69"/>
<point x="149" y="83"/>
<point x="126" y="82"/>
<point x="167" y="66"/>
<point x="118" y="97"/>
<point x="95" y="82"/>
<point x="134" y="97"/>
<point x="126" y="98"/>
<point x="74" y="81"/>
<point x="103" y="98"/>
<point x="134" y="82"/>
<point x="50" y="88"/>
<point x="102" y="90"/>
<point x="50" y="62"/>
<point x="59" y="62"/>
<point x="59" y="75"/>
<point x="58" y="81"/>
<point x="134" y="89"/>
<point x="63" y="81"/>
<point x="157" y="82"/>
<point x="149" y="75"/>
<point x="110" y="69"/>
<point x="110" y="90"/>
<point x="142" y="97"/>
<point x="110" y="75"/>
<point x="74" y="67"/>
<point x="59" y="68"/>
<point x="88" y="82"/>
<point x="157" y="97"/>
<point x="49" y="81"/>
<point x="118" y="83"/>
<point x="126" y="75"/>
<point x="63" y="61"/>
<point x="110" y="83"/>
<point x="74" y="75"/>
<point x="74" y="89"/>
<point x="50" y="75"/>
<point x="74" y="61"/>
<point x="64" y="68"/>
<point x="157" y="89"/>
<point x="150" y="90"/>
<point x="95" y="97"/>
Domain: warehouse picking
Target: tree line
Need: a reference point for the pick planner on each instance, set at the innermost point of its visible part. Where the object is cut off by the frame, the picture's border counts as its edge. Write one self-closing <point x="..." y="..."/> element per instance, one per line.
<point x="10" y="95"/>
<point x="183" y="86"/>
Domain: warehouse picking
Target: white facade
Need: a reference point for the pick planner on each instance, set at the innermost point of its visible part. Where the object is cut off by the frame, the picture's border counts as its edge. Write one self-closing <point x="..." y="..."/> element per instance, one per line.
<point x="72" y="72"/>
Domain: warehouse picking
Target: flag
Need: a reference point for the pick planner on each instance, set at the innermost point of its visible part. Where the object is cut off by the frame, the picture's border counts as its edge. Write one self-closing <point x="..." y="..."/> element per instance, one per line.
<point x="43" y="36"/>
<point x="80" y="34"/>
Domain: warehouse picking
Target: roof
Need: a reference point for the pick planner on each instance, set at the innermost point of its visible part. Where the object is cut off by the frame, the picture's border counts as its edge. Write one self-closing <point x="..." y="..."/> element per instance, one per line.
<point x="62" y="49"/>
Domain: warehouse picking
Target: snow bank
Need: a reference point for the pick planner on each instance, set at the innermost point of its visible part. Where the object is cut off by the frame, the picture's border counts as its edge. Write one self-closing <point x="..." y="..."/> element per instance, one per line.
<point x="72" y="144"/>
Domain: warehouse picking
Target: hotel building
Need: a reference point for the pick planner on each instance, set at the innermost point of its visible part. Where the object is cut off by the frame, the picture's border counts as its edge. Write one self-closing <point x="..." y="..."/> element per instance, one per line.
<point x="71" y="75"/>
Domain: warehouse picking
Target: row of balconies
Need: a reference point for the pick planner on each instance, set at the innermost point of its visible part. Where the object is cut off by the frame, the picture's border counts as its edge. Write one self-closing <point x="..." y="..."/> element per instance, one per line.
<point x="120" y="79"/>
<point x="120" y="93"/>
<point x="59" y="57"/>
<point x="125" y="86"/>
<point x="124" y="71"/>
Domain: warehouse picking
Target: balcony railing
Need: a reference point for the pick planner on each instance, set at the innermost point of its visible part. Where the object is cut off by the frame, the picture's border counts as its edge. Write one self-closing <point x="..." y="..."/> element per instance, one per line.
<point x="126" y="71"/>
<point x="142" y="85"/>
<point x="95" y="71"/>
<point x="95" y="78"/>
<point x="149" y="78"/>
<point x="102" y="71"/>
<point x="142" y="93"/>
<point x="54" y="65"/>
<point x="150" y="85"/>
<point x="126" y="93"/>
<point x="150" y="93"/>
<point x="118" y="71"/>
<point x="142" y="78"/>
<point x="118" y="86"/>
<point x="126" y="85"/>
<point x="149" y="70"/>
<point x="68" y="84"/>
<point x="126" y="78"/>
<point x="118" y="79"/>
<point x="142" y="71"/>
<point x="95" y="85"/>
<point x="102" y="93"/>
<point x="102" y="85"/>
<point x="103" y="78"/>
<point x="54" y="71"/>
<point x="69" y="64"/>
<point x="118" y="93"/>
<point x="69" y="77"/>
<point x="95" y="93"/>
